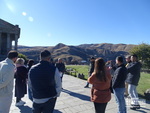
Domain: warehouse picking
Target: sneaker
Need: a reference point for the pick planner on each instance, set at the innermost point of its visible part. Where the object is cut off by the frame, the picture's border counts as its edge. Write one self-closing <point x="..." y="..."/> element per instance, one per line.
<point x="19" y="104"/>
<point x="134" y="107"/>
<point x="22" y="102"/>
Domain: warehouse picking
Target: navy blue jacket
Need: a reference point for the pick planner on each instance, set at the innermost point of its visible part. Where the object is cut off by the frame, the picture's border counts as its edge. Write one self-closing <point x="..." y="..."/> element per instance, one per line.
<point x="119" y="77"/>
<point x="134" y="69"/>
<point x="61" y="67"/>
<point x="42" y="77"/>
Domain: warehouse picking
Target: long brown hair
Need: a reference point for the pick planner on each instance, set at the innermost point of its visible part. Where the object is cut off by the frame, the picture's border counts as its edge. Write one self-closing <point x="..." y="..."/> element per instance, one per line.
<point x="99" y="69"/>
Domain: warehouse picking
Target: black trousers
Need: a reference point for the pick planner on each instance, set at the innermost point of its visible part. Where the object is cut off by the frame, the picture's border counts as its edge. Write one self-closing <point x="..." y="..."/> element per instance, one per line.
<point x="17" y="99"/>
<point x="100" y="107"/>
<point x="47" y="107"/>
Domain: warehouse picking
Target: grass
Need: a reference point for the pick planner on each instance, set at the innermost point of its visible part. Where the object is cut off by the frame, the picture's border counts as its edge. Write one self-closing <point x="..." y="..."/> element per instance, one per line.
<point x="143" y="85"/>
<point x="80" y="69"/>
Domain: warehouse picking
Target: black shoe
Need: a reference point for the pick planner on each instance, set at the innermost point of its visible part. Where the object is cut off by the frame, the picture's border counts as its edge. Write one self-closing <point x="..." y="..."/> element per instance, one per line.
<point x="126" y="96"/>
<point x="133" y="108"/>
<point x="137" y="106"/>
<point x="86" y="86"/>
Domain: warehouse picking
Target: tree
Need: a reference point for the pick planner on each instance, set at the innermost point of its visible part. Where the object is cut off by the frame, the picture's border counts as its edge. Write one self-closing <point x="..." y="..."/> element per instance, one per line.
<point x="143" y="52"/>
<point x="23" y="56"/>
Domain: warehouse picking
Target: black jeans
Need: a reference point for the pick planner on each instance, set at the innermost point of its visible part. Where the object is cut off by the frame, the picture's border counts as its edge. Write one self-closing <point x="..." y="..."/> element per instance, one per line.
<point x="47" y="107"/>
<point x="88" y="77"/>
<point x="18" y="99"/>
<point x="100" y="107"/>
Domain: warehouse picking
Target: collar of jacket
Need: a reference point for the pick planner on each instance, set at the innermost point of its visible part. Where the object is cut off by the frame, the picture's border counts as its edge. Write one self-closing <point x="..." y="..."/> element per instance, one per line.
<point x="120" y="65"/>
<point x="10" y="61"/>
<point x="44" y="62"/>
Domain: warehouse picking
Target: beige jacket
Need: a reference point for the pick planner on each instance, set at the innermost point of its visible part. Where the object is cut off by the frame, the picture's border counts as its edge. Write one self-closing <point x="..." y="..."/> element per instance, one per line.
<point x="6" y="77"/>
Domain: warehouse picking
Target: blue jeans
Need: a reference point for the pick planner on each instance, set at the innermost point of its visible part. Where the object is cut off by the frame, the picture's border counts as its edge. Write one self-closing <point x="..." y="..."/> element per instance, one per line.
<point x="47" y="107"/>
<point x="30" y="94"/>
<point x="119" y="95"/>
<point x="133" y="94"/>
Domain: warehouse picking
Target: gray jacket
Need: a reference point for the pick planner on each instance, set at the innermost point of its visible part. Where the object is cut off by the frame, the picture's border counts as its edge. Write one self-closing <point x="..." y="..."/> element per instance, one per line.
<point x="133" y="76"/>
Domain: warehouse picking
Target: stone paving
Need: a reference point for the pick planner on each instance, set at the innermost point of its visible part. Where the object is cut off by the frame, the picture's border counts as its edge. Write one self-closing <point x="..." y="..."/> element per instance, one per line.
<point x="76" y="99"/>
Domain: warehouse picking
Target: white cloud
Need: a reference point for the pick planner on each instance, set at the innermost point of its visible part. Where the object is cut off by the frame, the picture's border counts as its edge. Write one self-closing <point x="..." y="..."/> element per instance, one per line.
<point x="24" y="13"/>
<point x="30" y="19"/>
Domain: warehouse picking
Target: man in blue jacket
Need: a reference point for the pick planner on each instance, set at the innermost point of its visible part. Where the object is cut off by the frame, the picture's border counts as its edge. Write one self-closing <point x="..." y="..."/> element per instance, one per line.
<point x="133" y="78"/>
<point x="118" y="84"/>
<point x="45" y="84"/>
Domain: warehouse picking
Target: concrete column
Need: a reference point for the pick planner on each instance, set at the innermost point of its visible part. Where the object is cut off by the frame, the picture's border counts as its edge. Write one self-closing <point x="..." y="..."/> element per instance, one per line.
<point x="16" y="42"/>
<point x="0" y="42"/>
<point x="8" y="42"/>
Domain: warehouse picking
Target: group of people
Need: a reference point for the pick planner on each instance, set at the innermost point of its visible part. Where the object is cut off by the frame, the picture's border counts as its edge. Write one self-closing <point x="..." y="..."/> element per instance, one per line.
<point x="107" y="78"/>
<point x="44" y="81"/>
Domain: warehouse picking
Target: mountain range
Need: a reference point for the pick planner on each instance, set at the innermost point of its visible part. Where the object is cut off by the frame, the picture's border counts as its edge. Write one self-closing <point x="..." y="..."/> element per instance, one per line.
<point x="80" y="53"/>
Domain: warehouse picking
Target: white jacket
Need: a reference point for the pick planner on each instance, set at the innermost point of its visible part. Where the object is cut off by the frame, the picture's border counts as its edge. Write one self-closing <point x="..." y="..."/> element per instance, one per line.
<point x="7" y="69"/>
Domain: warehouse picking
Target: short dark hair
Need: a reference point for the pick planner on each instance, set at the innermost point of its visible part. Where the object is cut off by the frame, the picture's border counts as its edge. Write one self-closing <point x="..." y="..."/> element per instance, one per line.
<point x="30" y="62"/>
<point x="128" y="56"/>
<point x="12" y="54"/>
<point x="134" y="55"/>
<point x="92" y="58"/>
<point x="120" y="59"/>
<point x="45" y="54"/>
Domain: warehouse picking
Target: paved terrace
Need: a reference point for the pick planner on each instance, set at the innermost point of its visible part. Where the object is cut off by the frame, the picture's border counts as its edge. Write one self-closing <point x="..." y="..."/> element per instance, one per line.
<point x="76" y="99"/>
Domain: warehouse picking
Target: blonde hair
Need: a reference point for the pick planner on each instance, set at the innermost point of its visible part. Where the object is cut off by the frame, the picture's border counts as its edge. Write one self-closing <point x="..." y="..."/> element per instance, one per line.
<point x="20" y="61"/>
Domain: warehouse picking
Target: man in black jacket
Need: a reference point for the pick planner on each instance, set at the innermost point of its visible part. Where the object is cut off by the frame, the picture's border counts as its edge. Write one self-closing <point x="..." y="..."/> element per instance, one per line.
<point x="45" y="84"/>
<point x="132" y="80"/>
<point x="118" y="84"/>
<point x="91" y="69"/>
<point x="61" y="67"/>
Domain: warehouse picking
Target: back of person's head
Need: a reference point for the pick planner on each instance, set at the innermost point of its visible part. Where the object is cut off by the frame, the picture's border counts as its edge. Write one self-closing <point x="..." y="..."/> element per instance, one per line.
<point x="30" y="62"/>
<point x="45" y="54"/>
<point x="119" y="59"/>
<point x="12" y="54"/>
<point x="134" y="58"/>
<point x="128" y="56"/>
<point x="99" y="69"/>
<point x="92" y="59"/>
<point x="99" y="63"/>
<point x="20" y="61"/>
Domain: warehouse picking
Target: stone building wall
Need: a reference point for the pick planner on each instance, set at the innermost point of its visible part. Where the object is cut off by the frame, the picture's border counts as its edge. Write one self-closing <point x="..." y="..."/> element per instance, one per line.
<point x="8" y="33"/>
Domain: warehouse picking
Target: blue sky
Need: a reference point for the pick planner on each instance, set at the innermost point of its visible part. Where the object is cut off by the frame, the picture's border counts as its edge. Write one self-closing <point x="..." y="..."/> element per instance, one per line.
<point x="75" y="22"/>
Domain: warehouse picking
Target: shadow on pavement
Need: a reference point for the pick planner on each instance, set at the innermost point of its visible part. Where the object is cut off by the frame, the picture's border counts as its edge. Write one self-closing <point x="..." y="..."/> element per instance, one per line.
<point x="80" y="96"/>
<point x="57" y="111"/>
<point x="145" y="108"/>
<point x="141" y="111"/>
<point x="25" y="109"/>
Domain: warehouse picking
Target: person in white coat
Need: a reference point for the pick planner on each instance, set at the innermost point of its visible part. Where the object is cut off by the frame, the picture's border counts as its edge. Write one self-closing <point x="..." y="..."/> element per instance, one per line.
<point x="7" y="69"/>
